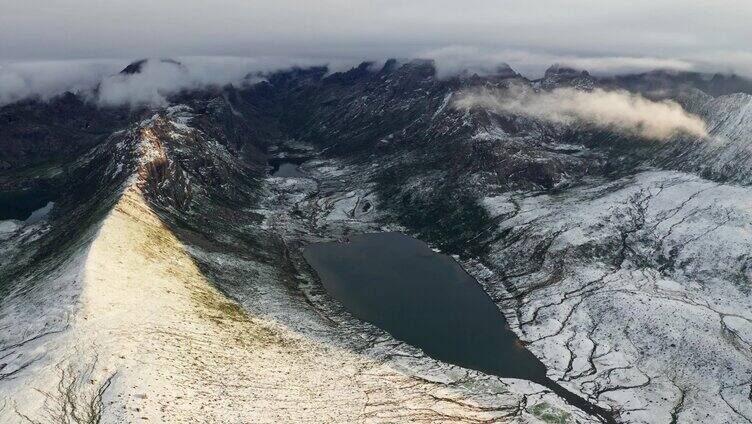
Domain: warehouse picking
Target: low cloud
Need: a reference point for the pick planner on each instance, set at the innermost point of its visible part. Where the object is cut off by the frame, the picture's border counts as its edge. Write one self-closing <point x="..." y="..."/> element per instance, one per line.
<point x="620" y="111"/>
<point x="102" y="83"/>
<point x="625" y="64"/>
<point x="732" y="62"/>
<point x="159" y="79"/>
<point x="45" y="79"/>
<point x="456" y="58"/>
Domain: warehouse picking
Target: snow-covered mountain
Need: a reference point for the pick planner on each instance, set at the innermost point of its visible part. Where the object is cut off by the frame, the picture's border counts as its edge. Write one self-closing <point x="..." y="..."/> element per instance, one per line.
<point x="167" y="281"/>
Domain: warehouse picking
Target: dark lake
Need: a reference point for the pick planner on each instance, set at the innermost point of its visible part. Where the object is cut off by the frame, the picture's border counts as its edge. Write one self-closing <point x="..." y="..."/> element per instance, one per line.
<point x="22" y="204"/>
<point x="426" y="299"/>
<point x="287" y="167"/>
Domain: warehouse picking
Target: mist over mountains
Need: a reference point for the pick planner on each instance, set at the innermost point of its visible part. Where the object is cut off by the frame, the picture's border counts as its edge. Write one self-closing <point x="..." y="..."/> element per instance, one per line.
<point x="103" y="82"/>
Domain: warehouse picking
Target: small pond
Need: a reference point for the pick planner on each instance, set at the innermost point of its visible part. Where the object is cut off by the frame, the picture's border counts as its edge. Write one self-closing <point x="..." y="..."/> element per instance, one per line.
<point x="287" y="167"/>
<point x="23" y="204"/>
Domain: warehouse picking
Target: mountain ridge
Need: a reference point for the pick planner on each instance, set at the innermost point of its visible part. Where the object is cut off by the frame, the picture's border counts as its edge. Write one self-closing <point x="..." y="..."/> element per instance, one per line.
<point x="593" y="244"/>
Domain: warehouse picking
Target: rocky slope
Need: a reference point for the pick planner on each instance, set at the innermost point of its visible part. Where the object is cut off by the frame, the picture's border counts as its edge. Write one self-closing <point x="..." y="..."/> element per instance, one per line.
<point x="171" y="259"/>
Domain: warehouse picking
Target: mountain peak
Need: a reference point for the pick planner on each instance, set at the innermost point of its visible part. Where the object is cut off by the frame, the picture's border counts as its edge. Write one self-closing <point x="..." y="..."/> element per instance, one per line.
<point x="138" y="66"/>
<point x="562" y="70"/>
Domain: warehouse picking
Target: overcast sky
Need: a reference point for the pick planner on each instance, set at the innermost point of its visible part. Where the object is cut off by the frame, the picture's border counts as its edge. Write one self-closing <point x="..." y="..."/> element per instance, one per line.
<point x="600" y="34"/>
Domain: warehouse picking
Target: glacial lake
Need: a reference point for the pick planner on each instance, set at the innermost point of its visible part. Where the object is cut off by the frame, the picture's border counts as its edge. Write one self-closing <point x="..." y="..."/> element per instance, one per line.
<point x="287" y="167"/>
<point x="428" y="300"/>
<point x="23" y="204"/>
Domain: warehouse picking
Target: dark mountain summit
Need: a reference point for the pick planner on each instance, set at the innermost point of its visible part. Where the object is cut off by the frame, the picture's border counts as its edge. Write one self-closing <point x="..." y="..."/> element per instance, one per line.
<point x="677" y="81"/>
<point x="138" y="66"/>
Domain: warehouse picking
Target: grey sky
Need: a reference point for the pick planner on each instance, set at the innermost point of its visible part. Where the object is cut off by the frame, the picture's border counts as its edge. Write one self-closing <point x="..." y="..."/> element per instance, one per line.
<point x="600" y="34"/>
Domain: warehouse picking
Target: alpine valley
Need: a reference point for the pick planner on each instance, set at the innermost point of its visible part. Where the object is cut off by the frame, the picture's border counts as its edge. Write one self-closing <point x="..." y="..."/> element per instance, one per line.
<point x="152" y="267"/>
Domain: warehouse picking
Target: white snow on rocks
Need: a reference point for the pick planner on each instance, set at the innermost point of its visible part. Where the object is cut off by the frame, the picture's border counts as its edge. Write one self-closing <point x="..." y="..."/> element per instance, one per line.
<point x="635" y="292"/>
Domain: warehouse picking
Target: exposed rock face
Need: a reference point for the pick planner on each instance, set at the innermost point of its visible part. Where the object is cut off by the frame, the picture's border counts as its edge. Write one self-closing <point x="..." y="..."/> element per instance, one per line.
<point x="63" y="129"/>
<point x="559" y="76"/>
<point x="172" y="262"/>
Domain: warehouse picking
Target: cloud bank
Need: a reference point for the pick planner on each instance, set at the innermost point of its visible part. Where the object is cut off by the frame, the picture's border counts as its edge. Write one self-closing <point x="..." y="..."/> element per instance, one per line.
<point x="456" y="58"/>
<point x="101" y="82"/>
<point x="44" y="79"/>
<point x="620" y="111"/>
<point x="638" y="34"/>
<point x="42" y="42"/>
<point x="159" y="79"/>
